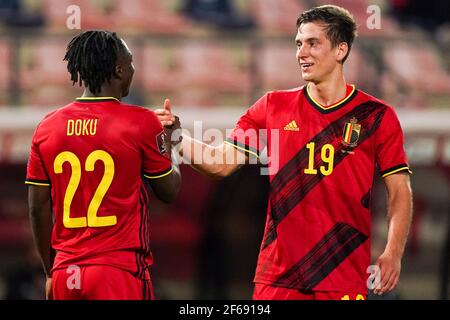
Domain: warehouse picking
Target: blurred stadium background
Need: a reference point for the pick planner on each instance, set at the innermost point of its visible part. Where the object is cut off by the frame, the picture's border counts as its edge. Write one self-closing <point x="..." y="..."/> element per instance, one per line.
<point x="214" y="58"/>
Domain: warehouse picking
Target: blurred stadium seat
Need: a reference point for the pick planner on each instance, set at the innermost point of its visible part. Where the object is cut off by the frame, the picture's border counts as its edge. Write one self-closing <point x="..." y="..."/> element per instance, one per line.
<point x="44" y="78"/>
<point x="157" y="72"/>
<point x="277" y="16"/>
<point x="196" y="73"/>
<point x="160" y="68"/>
<point x="5" y="66"/>
<point x="50" y="96"/>
<point x="217" y="67"/>
<point x="279" y="67"/>
<point x="42" y="63"/>
<point x="202" y="71"/>
<point x="359" y="10"/>
<point x="359" y="69"/>
<point x="142" y="16"/>
<point x="94" y="14"/>
<point x="418" y="67"/>
<point x="149" y="16"/>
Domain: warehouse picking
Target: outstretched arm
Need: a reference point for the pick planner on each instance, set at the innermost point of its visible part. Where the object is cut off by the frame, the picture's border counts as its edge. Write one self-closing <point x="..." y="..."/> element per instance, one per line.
<point x="399" y="209"/>
<point x="216" y="162"/>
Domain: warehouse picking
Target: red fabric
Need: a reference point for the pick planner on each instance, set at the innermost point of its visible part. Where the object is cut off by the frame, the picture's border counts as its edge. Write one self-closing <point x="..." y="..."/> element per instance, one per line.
<point x="99" y="283"/>
<point x="128" y="134"/>
<point x="317" y="234"/>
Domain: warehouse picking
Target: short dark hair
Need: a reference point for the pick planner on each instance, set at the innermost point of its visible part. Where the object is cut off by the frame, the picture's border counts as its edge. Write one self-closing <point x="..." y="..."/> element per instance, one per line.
<point x="92" y="57"/>
<point x="340" y="24"/>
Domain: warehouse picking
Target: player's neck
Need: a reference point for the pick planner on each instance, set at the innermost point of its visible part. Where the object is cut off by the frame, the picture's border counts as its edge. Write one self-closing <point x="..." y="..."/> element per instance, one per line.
<point x="328" y="92"/>
<point x="104" y="92"/>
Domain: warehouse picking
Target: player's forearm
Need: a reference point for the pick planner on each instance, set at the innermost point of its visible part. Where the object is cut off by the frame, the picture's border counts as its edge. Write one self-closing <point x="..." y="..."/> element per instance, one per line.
<point x="167" y="187"/>
<point x="177" y="176"/>
<point x="42" y="225"/>
<point x="206" y="159"/>
<point x="399" y="220"/>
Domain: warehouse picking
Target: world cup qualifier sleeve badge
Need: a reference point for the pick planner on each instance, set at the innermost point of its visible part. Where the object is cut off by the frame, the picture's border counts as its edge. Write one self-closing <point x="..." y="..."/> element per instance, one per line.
<point x="161" y="142"/>
<point x="352" y="130"/>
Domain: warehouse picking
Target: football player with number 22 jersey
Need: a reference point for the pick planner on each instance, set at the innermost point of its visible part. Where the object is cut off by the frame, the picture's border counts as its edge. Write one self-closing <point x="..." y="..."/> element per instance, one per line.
<point x="91" y="165"/>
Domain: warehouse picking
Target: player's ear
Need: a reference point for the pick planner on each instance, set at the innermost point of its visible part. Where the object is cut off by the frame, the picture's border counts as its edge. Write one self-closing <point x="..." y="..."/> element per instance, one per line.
<point x="118" y="72"/>
<point x="341" y="51"/>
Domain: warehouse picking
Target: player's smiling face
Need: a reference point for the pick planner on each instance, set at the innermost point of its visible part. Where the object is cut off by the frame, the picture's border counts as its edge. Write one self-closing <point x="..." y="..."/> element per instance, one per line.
<point x="315" y="54"/>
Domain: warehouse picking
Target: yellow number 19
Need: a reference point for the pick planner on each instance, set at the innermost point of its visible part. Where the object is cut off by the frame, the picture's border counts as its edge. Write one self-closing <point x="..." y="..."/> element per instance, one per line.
<point x="327" y="155"/>
<point x="92" y="220"/>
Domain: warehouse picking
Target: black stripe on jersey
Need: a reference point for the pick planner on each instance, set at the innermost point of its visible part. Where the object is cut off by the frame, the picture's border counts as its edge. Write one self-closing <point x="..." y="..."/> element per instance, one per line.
<point x="97" y="100"/>
<point x="291" y="185"/>
<point x="140" y="265"/>
<point x="242" y="146"/>
<point x="403" y="167"/>
<point x="366" y="199"/>
<point x="145" y="230"/>
<point x="150" y="290"/>
<point x="147" y="224"/>
<point x="323" y="258"/>
<point x="144" y="250"/>
<point x="325" y="110"/>
<point x="270" y="233"/>
<point x="145" y="290"/>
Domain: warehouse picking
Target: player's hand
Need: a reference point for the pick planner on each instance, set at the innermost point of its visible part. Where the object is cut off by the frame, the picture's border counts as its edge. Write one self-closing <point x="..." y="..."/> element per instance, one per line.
<point x="171" y="123"/>
<point x="165" y="115"/>
<point x="48" y="289"/>
<point x="390" y="266"/>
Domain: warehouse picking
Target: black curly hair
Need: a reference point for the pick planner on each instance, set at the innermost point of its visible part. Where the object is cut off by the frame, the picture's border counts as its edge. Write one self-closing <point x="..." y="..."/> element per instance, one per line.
<point x="92" y="56"/>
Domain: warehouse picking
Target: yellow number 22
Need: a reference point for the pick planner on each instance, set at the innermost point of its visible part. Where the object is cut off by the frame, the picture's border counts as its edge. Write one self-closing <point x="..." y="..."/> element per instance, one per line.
<point x="92" y="220"/>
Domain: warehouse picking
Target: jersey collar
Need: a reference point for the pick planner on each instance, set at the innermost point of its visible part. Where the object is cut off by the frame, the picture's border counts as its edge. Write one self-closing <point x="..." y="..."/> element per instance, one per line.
<point x="96" y="99"/>
<point x="351" y="93"/>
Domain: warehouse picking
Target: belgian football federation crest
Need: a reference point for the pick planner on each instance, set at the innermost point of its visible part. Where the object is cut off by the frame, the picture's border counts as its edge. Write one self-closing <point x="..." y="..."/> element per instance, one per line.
<point x="351" y="134"/>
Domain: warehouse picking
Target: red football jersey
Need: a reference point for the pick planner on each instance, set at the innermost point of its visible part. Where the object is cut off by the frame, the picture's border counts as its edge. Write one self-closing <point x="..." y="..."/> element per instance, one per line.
<point x="323" y="159"/>
<point x="95" y="153"/>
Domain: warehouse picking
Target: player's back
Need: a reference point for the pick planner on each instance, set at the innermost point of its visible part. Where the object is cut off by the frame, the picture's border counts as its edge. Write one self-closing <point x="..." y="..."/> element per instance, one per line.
<point x="94" y="153"/>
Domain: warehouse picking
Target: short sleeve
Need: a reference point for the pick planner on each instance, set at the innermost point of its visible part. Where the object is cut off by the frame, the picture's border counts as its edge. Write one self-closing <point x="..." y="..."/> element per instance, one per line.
<point x="36" y="173"/>
<point x="248" y="134"/>
<point x="390" y="152"/>
<point x="156" y="159"/>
